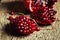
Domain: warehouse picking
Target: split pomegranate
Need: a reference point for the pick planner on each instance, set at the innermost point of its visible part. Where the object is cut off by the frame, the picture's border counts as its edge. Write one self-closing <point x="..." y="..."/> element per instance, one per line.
<point x="23" y="25"/>
<point x="42" y="10"/>
<point x="46" y="18"/>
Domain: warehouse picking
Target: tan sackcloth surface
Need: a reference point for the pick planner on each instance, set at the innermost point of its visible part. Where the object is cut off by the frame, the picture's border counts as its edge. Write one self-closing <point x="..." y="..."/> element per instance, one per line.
<point x="43" y="34"/>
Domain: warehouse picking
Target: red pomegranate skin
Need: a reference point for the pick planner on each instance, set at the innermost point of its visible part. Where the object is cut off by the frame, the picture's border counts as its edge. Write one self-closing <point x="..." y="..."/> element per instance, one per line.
<point x="23" y="25"/>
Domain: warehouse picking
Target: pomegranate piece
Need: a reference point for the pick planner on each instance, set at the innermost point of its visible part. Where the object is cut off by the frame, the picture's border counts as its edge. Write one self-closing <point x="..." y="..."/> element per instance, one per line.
<point x="23" y="25"/>
<point x="33" y="5"/>
<point x="46" y="18"/>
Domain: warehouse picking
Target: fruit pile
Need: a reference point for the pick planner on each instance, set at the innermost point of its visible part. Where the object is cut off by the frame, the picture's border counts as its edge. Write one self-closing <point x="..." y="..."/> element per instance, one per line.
<point x="42" y="10"/>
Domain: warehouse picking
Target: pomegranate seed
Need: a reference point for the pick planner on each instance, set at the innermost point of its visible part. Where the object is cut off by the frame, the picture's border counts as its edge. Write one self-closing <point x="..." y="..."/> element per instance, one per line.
<point x="21" y="31"/>
<point x="37" y="29"/>
<point x="10" y="17"/>
<point x="11" y="12"/>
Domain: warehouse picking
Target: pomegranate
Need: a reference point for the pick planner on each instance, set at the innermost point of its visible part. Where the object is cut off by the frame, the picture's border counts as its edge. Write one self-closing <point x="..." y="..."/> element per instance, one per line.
<point x="46" y="18"/>
<point x="42" y="10"/>
<point x="23" y="25"/>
